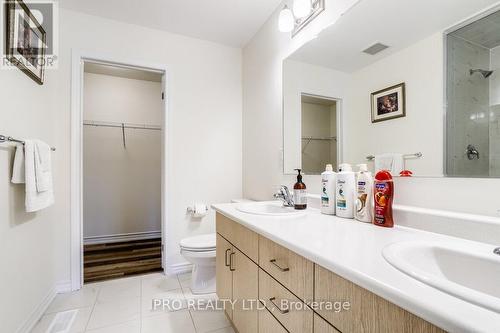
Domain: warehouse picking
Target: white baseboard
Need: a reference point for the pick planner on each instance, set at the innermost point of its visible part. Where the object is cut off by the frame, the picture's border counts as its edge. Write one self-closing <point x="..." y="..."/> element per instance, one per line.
<point x="38" y="312"/>
<point x="181" y="268"/>
<point x="121" y="237"/>
<point x="63" y="287"/>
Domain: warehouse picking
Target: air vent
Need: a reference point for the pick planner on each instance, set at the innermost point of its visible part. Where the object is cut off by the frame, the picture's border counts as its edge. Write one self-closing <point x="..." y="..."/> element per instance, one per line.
<point x="62" y="322"/>
<point x="375" y="48"/>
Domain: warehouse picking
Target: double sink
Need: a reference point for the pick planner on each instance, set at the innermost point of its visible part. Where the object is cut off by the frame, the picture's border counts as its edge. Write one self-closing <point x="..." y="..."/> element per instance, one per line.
<point x="470" y="272"/>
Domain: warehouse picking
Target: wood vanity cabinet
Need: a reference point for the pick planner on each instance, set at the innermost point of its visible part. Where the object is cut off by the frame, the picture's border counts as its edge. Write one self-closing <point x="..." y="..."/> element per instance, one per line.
<point x="237" y="275"/>
<point x="252" y="267"/>
<point x="368" y="312"/>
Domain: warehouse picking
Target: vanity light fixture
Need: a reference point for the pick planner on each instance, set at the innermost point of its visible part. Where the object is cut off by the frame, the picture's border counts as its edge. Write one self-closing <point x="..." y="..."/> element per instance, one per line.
<point x="286" y="20"/>
<point x="304" y="11"/>
<point x="301" y="8"/>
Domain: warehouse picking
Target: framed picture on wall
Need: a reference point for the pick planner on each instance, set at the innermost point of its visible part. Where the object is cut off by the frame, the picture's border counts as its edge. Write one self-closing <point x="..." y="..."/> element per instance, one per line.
<point x="25" y="40"/>
<point x="389" y="103"/>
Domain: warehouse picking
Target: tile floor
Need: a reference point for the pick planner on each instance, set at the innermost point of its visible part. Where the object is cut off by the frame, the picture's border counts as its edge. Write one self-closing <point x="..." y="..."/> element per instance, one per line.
<point x="125" y="306"/>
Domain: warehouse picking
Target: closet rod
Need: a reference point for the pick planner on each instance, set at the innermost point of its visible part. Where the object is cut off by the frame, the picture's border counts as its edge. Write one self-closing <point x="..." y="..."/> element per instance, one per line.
<point x="122" y="125"/>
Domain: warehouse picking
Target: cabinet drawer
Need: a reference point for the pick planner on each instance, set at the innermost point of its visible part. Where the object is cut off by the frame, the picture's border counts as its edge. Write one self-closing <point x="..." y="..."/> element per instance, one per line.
<point x="322" y="326"/>
<point x="244" y="239"/>
<point x="291" y="270"/>
<point x="368" y="312"/>
<point x="295" y="319"/>
<point x="269" y="324"/>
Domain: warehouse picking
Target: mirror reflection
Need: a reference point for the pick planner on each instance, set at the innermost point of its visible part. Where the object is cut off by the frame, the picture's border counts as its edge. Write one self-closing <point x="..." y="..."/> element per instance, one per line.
<point x="419" y="100"/>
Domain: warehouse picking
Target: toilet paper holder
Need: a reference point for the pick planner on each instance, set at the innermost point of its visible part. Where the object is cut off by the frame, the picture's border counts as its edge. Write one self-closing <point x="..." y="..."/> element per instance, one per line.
<point x="192" y="209"/>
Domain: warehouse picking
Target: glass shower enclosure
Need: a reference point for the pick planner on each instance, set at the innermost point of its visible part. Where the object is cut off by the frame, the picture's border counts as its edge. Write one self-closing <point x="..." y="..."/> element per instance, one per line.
<point x="473" y="99"/>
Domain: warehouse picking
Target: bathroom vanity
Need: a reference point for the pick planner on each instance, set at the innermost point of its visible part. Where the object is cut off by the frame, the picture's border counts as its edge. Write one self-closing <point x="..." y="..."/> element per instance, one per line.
<point x="316" y="260"/>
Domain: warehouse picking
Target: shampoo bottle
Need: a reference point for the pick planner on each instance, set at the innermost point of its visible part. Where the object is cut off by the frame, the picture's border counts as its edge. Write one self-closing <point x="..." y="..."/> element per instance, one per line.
<point x="300" y="193"/>
<point x="384" y="193"/>
<point x="364" y="193"/>
<point x="328" y="185"/>
<point x="346" y="183"/>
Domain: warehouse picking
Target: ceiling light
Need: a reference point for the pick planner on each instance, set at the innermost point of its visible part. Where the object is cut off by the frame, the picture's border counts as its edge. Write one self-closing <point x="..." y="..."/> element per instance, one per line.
<point x="286" y="20"/>
<point x="302" y="8"/>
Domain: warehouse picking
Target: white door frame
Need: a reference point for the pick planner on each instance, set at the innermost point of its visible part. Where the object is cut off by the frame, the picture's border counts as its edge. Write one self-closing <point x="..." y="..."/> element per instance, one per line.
<point x="76" y="219"/>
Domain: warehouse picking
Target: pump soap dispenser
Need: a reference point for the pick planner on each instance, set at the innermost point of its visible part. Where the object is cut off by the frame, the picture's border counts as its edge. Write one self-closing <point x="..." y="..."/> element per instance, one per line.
<point x="300" y="193"/>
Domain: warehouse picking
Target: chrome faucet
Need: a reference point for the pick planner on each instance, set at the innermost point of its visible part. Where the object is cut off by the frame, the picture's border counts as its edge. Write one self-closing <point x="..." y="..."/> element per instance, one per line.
<point x="285" y="196"/>
<point x="497" y="251"/>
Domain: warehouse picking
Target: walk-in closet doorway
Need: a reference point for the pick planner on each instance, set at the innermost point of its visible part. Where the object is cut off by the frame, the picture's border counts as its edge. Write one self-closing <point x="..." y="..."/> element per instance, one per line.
<point x="119" y="122"/>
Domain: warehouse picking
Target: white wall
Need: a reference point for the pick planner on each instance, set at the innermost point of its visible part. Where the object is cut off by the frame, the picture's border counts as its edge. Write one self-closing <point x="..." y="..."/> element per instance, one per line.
<point x="262" y="121"/>
<point x="205" y="100"/>
<point x="121" y="187"/>
<point x="27" y="240"/>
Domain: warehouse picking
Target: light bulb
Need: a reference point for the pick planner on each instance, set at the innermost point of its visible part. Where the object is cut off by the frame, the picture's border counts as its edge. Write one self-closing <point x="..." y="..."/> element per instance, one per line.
<point x="301" y="8"/>
<point x="286" y="20"/>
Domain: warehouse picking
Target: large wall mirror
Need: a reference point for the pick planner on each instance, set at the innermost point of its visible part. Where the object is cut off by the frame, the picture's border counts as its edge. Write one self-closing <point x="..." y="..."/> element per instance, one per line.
<point x="415" y="91"/>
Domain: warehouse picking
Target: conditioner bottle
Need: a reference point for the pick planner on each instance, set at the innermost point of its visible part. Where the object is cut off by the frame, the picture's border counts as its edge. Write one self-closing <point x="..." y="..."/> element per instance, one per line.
<point x="346" y="183"/>
<point x="328" y="184"/>
<point x="364" y="194"/>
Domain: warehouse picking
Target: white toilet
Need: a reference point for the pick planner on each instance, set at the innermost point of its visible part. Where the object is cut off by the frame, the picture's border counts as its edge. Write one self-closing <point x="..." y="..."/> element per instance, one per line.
<point x="200" y="251"/>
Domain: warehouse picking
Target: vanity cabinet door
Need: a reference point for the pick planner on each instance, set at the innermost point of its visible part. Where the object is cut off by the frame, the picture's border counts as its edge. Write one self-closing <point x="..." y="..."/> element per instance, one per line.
<point x="224" y="275"/>
<point x="243" y="238"/>
<point x="245" y="292"/>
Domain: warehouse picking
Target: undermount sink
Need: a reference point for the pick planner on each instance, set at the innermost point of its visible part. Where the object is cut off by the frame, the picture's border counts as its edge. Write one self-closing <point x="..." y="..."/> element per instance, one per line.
<point x="269" y="209"/>
<point x="471" y="274"/>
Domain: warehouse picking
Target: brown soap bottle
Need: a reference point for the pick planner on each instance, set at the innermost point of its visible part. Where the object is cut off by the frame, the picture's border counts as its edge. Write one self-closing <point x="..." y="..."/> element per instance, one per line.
<point x="300" y="193"/>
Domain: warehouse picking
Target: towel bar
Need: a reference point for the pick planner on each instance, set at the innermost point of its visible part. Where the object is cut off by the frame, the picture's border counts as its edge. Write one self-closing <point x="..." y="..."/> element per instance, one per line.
<point x="416" y="155"/>
<point x="4" y="138"/>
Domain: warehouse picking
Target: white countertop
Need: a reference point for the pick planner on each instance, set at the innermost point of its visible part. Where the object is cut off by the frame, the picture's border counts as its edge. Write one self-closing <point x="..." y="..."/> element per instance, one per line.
<point x="353" y="250"/>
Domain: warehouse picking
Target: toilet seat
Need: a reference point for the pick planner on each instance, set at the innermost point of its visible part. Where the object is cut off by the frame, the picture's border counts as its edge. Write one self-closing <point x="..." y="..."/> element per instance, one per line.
<point x="201" y="243"/>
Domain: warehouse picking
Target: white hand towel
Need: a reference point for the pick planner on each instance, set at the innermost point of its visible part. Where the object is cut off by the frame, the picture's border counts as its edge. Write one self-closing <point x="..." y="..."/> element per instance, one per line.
<point x="392" y="162"/>
<point x="35" y="200"/>
<point x="43" y="167"/>
<point x="18" y="169"/>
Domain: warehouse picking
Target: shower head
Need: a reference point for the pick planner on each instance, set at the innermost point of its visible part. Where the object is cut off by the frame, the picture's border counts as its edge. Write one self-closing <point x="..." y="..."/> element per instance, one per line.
<point x="486" y="74"/>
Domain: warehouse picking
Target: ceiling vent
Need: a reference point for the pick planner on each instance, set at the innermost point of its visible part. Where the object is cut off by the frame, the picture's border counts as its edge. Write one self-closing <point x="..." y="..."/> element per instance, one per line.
<point x="375" y="48"/>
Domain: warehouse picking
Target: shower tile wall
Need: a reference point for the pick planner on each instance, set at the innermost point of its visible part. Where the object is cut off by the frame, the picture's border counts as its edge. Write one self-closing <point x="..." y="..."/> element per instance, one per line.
<point x="469" y="108"/>
<point x="495" y="113"/>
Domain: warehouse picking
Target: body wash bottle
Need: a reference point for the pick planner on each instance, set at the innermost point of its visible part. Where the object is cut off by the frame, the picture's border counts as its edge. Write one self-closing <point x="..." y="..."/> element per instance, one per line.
<point x="364" y="193"/>
<point x="346" y="182"/>
<point x="384" y="194"/>
<point x="300" y="193"/>
<point x="328" y="186"/>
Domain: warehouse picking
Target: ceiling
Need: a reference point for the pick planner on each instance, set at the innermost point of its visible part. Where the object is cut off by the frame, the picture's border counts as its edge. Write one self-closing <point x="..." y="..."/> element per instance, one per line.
<point x="484" y="32"/>
<point x="229" y="22"/>
<point x="396" y="23"/>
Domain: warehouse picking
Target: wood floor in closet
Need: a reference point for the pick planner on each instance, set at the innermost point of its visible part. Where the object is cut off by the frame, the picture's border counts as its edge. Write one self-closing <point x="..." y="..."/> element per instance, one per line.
<point x="115" y="260"/>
